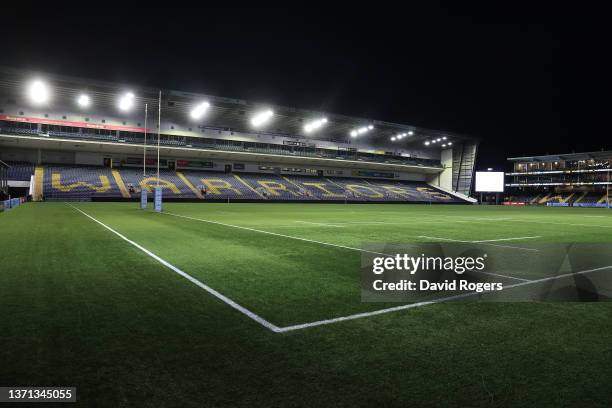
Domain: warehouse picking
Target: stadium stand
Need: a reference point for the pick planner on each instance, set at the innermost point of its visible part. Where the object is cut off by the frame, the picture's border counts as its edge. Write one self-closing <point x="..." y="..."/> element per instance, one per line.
<point x="77" y="133"/>
<point x="78" y="183"/>
<point x="20" y="171"/>
<point x="578" y="198"/>
<point x="89" y="182"/>
<point x="169" y="181"/>
<point x="213" y="185"/>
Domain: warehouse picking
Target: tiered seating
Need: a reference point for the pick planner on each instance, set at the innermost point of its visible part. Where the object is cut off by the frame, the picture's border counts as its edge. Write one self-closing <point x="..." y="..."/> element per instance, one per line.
<point x="569" y="199"/>
<point x="20" y="171"/>
<point x="220" y="186"/>
<point x="69" y="132"/>
<point x="357" y="189"/>
<point x="274" y="187"/>
<point x="71" y="182"/>
<point x="318" y="188"/>
<point x="172" y="186"/>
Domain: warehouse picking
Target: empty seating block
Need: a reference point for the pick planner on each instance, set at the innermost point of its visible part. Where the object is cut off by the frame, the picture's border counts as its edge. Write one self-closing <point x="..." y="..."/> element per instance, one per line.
<point x="87" y="182"/>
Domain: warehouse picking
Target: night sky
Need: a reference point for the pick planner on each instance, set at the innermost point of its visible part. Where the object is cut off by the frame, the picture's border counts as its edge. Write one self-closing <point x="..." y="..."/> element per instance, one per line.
<point x="525" y="80"/>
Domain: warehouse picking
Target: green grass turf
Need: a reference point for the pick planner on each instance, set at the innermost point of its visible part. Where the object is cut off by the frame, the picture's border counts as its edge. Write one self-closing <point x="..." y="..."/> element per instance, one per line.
<point x="82" y="307"/>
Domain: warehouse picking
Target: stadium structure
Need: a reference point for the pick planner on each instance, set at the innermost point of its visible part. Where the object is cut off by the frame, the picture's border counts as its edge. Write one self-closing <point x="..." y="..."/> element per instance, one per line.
<point x="563" y="180"/>
<point x="65" y="138"/>
<point x="206" y="303"/>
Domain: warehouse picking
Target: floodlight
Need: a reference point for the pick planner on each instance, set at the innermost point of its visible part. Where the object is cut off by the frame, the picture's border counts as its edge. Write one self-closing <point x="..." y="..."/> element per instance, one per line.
<point x="426" y="143"/>
<point x="126" y="102"/>
<point x="361" y="130"/>
<point x="393" y="139"/>
<point x="444" y="138"/>
<point x="84" y="100"/>
<point x="314" y="125"/>
<point x="199" y="110"/>
<point x="450" y="143"/>
<point x="438" y="139"/>
<point x="261" y="118"/>
<point x="444" y="145"/>
<point x="38" y="92"/>
<point x="410" y="132"/>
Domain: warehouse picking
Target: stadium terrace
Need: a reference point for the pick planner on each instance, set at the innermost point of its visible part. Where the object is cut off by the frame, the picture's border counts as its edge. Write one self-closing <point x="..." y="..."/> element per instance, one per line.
<point x="70" y="138"/>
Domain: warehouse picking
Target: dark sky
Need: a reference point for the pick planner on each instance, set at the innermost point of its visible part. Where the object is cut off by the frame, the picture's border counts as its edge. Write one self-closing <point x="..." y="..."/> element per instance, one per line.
<point x="525" y="80"/>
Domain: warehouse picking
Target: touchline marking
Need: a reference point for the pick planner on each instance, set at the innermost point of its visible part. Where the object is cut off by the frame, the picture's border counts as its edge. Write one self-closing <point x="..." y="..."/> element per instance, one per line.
<point x="538" y="222"/>
<point x="321" y="224"/>
<point x="190" y="278"/>
<point x="429" y="302"/>
<point x="480" y="242"/>
<point x="508" y="239"/>
<point x="274" y="233"/>
<point x="503" y="276"/>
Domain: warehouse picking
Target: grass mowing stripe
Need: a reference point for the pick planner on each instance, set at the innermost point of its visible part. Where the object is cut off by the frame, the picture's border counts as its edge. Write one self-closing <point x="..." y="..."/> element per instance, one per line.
<point x="274" y="233"/>
<point x="190" y="278"/>
<point x="431" y="302"/>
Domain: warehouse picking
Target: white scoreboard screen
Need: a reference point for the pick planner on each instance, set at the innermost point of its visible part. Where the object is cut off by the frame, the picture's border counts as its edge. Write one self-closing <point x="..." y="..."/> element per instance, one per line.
<point x="489" y="181"/>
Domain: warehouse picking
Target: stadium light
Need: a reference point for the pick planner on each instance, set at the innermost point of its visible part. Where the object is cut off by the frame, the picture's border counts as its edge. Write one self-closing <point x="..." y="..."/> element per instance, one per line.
<point x="126" y="102"/>
<point x="410" y="133"/>
<point x="426" y="143"/>
<point x="444" y="138"/>
<point x="83" y="101"/>
<point x="314" y="125"/>
<point x="361" y="130"/>
<point x="444" y="145"/>
<point x="393" y="139"/>
<point x="39" y="92"/>
<point x="450" y="143"/>
<point x="261" y="118"/>
<point x="199" y="110"/>
<point x="438" y="139"/>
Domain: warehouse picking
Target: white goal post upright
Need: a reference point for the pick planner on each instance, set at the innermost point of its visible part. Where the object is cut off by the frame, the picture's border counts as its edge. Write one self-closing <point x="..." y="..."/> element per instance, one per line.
<point x="158" y="190"/>
<point x="144" y="150"/>
<point x="608" y="188"/>
<point x="143" y="191"/>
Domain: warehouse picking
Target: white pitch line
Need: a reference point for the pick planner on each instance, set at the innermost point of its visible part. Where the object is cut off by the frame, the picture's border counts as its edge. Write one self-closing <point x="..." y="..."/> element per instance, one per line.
<point x="273" y="233"/>
<point x="535" y="222"/>
<point x="508" y="239"/>
<point x="503" y="276"/>
<point x="321" y="224"/>
<point x="428" y="302"/>
<point x="190" y="278"/>
<point x="479" y="242"/>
